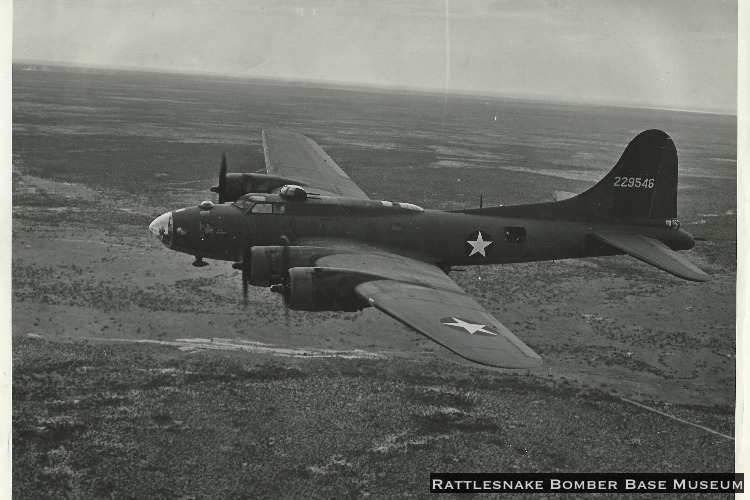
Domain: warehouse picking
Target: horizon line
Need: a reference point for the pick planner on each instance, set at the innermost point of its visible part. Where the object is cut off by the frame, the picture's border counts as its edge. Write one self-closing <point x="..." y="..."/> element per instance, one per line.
<point x="401" y="88"/>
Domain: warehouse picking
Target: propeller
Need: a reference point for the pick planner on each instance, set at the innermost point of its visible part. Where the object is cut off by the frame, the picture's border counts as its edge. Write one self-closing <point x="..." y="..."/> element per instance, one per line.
<point x="221" y="189"/>
<point x="244" y="266"/>
<point x="245" y="273"/>
<point x="285" y="279"/>
<point x="284" y="288"/>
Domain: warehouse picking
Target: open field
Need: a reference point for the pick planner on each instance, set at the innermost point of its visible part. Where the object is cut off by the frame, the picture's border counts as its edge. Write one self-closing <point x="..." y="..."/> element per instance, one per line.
<point x="143" y="421"/>
<point x="137" y="375"/>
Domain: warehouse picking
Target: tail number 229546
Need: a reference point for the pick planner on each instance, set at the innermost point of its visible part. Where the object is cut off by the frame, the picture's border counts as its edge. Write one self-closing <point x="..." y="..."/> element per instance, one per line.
<point x="634" y="182"/>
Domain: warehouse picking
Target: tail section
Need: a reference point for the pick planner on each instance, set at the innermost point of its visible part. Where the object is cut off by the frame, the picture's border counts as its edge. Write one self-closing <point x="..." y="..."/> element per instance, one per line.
<point x="630" y="206"/>
<point x="643" y="183"/>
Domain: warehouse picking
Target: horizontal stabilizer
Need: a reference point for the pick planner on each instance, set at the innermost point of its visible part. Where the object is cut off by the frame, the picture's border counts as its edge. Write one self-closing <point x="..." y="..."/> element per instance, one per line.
<point x="654" y="252"/>
<point x="562" y="195"/>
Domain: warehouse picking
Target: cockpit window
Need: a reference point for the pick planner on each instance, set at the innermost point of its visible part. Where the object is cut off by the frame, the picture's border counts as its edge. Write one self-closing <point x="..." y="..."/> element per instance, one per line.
<point x="244" y="203"/>
<point x="258" y="205"/>
<point x="263" y="208"/>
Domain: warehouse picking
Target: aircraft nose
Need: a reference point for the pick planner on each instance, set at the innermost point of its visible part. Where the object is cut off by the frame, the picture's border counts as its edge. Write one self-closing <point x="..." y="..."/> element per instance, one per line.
<point x="162" y="228"/>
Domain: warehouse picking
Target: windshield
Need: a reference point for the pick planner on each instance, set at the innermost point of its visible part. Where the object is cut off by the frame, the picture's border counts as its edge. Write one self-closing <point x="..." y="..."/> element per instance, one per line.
<point x="247" y="201"/>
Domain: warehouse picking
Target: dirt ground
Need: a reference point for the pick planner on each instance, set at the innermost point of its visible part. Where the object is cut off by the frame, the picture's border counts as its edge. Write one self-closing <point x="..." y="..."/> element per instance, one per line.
<point x="121" y="349"/>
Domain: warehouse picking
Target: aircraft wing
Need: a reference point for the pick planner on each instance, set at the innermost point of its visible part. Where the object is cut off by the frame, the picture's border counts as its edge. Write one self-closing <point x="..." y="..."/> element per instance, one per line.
<point x="422" y="297"/>
<point x="295" y="156"/>
<point x="654" y="252"/>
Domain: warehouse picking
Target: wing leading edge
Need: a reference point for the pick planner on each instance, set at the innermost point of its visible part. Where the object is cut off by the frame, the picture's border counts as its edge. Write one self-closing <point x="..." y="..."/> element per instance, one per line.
<point x="422" y="297"/>
<point x="295" y="156"/>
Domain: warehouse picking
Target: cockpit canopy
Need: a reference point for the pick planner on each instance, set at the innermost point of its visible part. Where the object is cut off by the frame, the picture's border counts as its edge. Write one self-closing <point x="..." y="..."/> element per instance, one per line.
<point x="258" y="204"/>
<point x="261" y="203"/>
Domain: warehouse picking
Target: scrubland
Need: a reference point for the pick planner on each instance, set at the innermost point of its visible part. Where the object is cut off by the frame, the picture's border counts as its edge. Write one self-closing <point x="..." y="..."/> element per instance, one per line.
<point x="124" y="382"/>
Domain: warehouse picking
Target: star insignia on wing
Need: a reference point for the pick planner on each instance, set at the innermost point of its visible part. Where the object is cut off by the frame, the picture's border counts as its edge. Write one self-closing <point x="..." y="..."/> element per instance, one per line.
<point x="478" y="244"/>
<point x="471" y="328"/>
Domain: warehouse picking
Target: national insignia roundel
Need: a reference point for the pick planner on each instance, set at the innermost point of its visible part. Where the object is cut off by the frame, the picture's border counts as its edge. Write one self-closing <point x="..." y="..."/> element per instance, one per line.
<point x="469" y="327"/>
<point x="478" y="244"/>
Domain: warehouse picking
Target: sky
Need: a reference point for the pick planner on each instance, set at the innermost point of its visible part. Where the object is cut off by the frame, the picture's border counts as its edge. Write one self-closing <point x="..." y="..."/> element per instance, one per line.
<point x="672" y="54"/>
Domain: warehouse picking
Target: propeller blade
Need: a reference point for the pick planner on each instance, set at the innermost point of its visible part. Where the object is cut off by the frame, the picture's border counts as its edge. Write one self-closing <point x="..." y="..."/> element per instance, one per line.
<point x="285" y="264"/>
<point x="223" y="178"/>
<point x="244" y="267"/>
<point x="285" y="279"/>
<point x="221" y="189"/>
<point x="246" y="256"/>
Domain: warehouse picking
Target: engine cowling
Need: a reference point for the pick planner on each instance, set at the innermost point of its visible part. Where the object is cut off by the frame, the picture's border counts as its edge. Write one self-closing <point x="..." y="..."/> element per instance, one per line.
<point x="268" y="266"/>
<point x="325" y="289"/>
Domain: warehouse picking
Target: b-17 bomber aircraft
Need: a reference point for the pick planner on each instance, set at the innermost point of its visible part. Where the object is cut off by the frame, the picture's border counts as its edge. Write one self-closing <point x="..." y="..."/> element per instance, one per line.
<point x="306" y="230"/>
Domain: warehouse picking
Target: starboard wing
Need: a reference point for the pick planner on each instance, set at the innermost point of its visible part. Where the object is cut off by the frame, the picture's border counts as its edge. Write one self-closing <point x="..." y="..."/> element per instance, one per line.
<point x="295" y="156"/>
<point x="453" y="320"/>
<point x="421" y="296"/>
<point x="654" y="252"/>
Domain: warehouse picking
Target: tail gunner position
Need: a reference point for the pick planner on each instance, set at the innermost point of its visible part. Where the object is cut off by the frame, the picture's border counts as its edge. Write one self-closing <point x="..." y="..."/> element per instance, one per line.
<point x="308" y="232"/>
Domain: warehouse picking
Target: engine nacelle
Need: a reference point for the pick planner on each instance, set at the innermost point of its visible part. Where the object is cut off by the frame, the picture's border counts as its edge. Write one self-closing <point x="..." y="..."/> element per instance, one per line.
<point x="268" y="265"/>
<point x="241" y="184"/>
<point x="325" y="289"/>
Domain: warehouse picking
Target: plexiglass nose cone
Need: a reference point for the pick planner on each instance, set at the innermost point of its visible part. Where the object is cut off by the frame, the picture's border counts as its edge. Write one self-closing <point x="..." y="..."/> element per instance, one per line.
<point x="161" y="227"/>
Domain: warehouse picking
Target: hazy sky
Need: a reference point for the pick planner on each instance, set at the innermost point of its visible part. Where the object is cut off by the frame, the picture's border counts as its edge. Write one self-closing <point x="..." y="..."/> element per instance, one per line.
<point x="657" y="53"/>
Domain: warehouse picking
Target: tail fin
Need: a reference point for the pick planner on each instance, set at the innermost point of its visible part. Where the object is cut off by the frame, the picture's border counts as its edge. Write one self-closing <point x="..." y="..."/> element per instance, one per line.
<point x="643" y="183"/>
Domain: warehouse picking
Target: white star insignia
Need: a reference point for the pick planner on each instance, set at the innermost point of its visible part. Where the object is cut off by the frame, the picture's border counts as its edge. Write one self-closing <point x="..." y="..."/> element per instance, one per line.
<point x="472" y="328"/>
<point x="479" y="245"/>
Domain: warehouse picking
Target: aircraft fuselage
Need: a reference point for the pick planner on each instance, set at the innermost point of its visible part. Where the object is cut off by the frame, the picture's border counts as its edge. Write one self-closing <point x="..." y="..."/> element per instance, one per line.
<point x="225" y="232"/>
<point x="305" y="230"/>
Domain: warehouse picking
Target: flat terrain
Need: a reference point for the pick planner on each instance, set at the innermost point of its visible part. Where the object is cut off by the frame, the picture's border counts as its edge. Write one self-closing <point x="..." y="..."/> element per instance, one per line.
<point x="137" y="375"/>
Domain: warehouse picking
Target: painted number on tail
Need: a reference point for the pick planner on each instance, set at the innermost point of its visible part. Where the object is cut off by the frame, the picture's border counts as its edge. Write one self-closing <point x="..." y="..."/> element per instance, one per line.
<point x="634" y="182"/>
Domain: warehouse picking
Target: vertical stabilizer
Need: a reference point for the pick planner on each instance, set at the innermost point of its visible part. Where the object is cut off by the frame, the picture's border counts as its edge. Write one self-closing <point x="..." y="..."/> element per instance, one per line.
<point x="643" y="183"/>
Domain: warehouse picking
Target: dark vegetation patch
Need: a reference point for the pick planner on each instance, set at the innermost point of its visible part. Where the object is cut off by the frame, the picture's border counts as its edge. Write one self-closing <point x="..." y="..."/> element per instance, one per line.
<point x="365" y="370"/>
<point x="38" y="284"/>
<point x="438" y="397"/>
<point x="235" y="370"/>
<point x="439" y="422"/>
<point x="219" y="424"/>
<point x="66" y="285"/>
<point x="43" y="199"/>
<point x="85" y="214"/>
